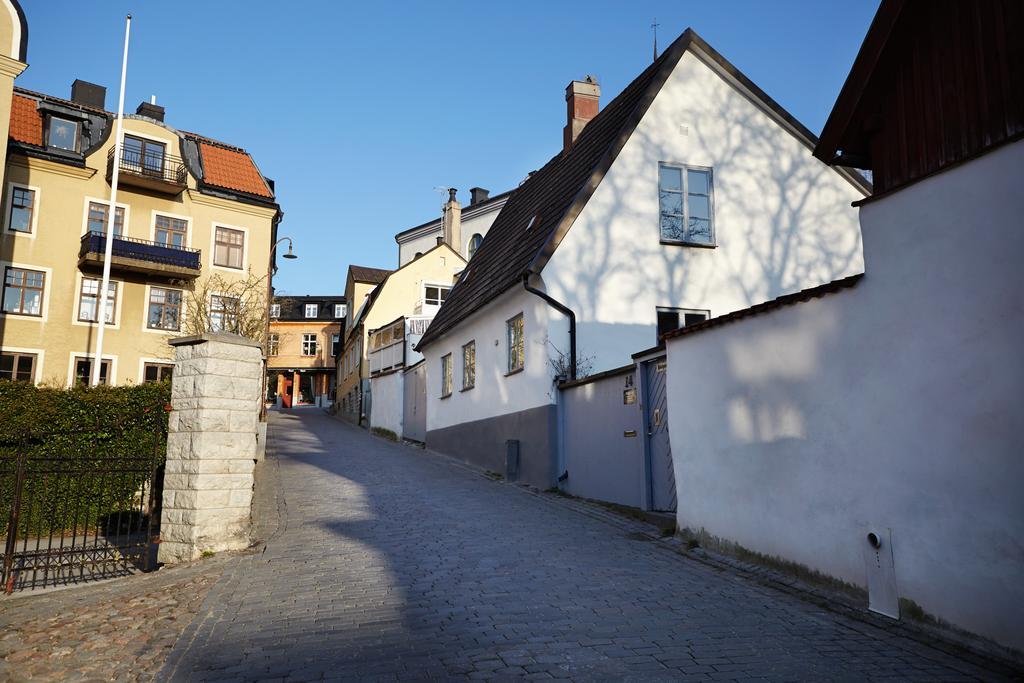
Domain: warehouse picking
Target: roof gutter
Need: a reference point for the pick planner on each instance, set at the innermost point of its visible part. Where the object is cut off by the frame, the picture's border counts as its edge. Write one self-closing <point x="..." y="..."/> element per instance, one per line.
<point x="567" y="312"/>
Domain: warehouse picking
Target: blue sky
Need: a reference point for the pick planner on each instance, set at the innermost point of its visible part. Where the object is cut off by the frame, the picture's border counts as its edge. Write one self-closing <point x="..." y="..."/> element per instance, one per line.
<point x="359" y="110"/>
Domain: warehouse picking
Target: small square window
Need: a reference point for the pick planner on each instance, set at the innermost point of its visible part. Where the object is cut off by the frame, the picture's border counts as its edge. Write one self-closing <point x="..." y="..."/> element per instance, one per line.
<point x="312" y="310"/>
<point x="228" y="248"/>
<point x="83" y="370"/>
<point x="339" y="310"/>
<point x="157" y="372"/>
<point x="673" y="318"/>
<point x="18" y="367"/>
<point x="275" y="310"/>
<point x="63" y="134"/>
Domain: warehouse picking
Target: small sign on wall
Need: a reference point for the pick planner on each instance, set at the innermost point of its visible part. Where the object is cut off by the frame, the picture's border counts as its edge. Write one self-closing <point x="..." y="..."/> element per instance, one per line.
<point x="629" y="393"/>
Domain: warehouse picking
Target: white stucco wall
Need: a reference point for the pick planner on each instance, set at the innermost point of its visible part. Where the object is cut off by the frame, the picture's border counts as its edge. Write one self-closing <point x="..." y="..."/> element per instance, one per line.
<point x="893" y="405"/>
<point x="495" y="393"/>
<point x="388" y="402"/>
<point x="782" y="220"/>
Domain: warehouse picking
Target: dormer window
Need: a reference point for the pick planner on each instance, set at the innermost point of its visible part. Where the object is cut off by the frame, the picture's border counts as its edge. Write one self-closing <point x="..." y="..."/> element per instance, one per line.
<point x="339" y="310"/>
<point x="275" y="310"/>
<point x="62" y="134"/>
<point x="311" y="310"/>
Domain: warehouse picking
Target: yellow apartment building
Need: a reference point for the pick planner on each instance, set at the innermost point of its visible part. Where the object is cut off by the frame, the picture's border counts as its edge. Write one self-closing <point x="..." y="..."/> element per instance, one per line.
<point x="306" y="334"/>
<point x="188" y="209"/>
<point x="417" y="288"/>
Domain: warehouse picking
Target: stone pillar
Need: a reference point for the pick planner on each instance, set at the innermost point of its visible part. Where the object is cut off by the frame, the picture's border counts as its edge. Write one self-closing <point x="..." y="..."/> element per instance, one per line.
<point x="211" y="445"/>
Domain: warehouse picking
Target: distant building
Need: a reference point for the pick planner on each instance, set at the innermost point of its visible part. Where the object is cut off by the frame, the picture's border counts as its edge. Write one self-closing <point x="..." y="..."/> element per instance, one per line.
<point x="188" y="208"/>
<point x="306" y="334"/>
<point x="462" y="228"/>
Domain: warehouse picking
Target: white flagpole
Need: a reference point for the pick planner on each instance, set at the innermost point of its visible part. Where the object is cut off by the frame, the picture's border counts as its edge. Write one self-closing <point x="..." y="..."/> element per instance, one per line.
<point x="101" y="314"/>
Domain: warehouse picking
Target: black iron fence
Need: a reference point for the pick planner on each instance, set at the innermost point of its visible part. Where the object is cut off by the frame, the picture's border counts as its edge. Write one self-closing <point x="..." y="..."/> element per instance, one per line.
<point x="150" y="164"/>
<point x="143" y="250"/>
<point x="78" y="513"/>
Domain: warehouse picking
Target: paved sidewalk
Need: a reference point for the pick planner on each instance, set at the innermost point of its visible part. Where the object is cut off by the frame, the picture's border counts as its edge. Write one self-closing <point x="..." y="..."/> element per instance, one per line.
<point x="390" y="563"/>
<point x="118" y="630"/>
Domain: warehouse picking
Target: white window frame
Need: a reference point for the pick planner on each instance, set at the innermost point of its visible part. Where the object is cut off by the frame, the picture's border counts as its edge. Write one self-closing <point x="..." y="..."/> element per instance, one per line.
<point x="213" y="246"/>
<point x="335" y="343"/>
<point x="316" y="310"/>
<point x="340" y="307"/>
<point x="274" y="344"/>
<point x="112" y="358"/>
<point x="315" y="341"/>
<point x="38" y="353"/>
<point x="47" y="287"/>
<point x="683" y="168"/>
<point x="439" y="286"/>
<point x="125" y="232"/>
<point x="188" y="227"/>
<point x="36" y="204"/>
<point x="275" y="310"/>
<point x="209" y="309"/>
<point x="80" y="279"/>
<point x="508" y="345"/>
<point x="145" y="311"/>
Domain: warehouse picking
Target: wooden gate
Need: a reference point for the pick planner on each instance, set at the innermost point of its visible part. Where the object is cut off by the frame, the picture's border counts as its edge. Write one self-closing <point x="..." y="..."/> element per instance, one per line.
<point x="662" y="482"/>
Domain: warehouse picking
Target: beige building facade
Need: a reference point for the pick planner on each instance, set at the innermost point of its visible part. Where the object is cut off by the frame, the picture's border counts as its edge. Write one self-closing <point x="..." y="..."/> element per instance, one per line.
<point x="306" y="334"/>
<point x="190" y="211"/>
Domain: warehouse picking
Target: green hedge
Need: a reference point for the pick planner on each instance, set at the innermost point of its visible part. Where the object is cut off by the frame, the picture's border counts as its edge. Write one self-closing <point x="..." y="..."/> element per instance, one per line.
<point x="72" y="441"/>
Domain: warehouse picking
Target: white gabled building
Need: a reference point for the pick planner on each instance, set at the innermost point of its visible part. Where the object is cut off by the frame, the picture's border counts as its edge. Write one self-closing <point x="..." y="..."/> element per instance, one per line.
<point x="691" y="195"/>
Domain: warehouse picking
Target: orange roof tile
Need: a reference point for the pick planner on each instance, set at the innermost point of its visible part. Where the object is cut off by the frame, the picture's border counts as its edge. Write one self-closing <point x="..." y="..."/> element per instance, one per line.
<point x="233" y="170"/>
<point x="26" y="124"/>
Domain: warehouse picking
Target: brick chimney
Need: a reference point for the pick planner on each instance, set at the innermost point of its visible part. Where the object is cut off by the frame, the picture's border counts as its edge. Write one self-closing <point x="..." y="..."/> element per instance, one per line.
<point x="477" y="195"/>
<point x="89" y="94"/>
<point x="582" y="100"/>
<point x="453" y="221"/>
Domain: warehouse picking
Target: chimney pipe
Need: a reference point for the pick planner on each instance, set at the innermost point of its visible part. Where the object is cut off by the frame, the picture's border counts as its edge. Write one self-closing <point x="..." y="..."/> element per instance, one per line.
<point x="453" y="221"/>
<point x="581" y="98"/>
<point x="89" y="94"/>
<point x="477" y="195"/>
<point x="151" y="110"/>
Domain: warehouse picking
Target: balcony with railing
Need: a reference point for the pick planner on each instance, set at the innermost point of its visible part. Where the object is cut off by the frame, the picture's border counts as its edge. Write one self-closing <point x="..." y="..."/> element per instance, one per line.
<point x="149" y="170"/>
<point x="140" y="256"/>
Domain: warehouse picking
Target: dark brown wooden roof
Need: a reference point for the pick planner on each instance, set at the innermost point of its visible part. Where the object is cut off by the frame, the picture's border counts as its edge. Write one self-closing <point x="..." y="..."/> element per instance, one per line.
<point x="935" y="83"/>
<point x="373" y="276"/>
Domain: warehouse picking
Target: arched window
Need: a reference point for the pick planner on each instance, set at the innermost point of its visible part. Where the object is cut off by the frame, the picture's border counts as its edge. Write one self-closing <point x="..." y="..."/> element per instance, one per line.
<point x="474" y="243"/>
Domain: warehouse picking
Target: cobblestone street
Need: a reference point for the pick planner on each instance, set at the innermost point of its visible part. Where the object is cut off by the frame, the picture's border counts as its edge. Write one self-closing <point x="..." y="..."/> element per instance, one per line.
<point x="391" y="563"/>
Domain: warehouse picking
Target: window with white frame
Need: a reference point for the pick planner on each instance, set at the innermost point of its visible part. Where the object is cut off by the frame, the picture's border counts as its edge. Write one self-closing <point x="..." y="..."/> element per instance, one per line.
<point x="275" y="310"/>
<point x="446" y="375"/>
<point x="224" y="313"/>
<point x="514" y="340"/>
<point x="99" y="215"/>
<point x="88" y="300"/>
<point x="273" y="344"/>
<point x="171" y="232"/>
<point x="469" y="365"/>
<point x="164" y="309"/>
<point x="434" y="295"/>
<point x="228" y="247"/>
<point x="23" y="291"/>
<point x="83" y="370"/>
<point x="673" y="318"/>
<point x="312" y="310"/>
<point x="339" y="310"/>
<point x="335" y="344"/>
<point x="474" y="243"/>
<point x="23" y="207"/>
<point x="309" y="344"/>
<point x="17" y="366"/>
<point x="684" y="194"/>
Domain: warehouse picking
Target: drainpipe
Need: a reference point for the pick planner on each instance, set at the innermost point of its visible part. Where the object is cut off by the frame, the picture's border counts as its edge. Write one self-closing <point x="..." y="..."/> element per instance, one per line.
<point x="564" y="310"/>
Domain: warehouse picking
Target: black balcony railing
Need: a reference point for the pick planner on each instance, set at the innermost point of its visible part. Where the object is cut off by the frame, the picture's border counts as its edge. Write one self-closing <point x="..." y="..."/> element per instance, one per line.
<point x="141" y="250"/>
<point x="153" y="166"/>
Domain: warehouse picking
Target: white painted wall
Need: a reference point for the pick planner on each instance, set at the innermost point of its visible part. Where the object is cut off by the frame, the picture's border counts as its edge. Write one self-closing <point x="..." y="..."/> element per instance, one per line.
<point x="388" y="402"/>
<point x="783" y="220"/>
<point x="495" y="393"/>
<point x="896" y="404"/>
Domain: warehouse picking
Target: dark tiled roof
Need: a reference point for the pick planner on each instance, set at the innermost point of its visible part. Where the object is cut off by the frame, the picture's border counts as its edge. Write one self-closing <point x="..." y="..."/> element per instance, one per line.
<point x="294" y="307"/>
<point x="374" y="276"/>
<point x="786" y="300"/>
<point x="538" y="207"/>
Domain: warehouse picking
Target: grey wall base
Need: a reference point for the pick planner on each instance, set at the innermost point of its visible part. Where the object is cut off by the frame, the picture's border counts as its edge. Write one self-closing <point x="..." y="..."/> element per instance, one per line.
<point x="482" y="443"/>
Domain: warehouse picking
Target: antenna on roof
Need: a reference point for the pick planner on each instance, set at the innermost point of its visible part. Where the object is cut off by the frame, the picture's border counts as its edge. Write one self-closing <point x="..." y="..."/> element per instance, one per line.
<point x="654" y="27"/>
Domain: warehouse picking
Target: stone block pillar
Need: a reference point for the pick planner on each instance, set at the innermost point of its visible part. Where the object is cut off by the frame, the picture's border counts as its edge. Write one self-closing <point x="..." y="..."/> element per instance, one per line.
<point x="211" y="445"/>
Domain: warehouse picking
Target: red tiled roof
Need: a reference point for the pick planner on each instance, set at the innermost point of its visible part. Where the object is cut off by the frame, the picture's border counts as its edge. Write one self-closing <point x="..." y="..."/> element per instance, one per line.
<point x="233" y="170"/>
<point x="26" y="124"/>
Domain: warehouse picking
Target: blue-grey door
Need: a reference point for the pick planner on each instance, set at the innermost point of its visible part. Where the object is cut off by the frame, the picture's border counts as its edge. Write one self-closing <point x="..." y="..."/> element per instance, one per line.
<point x="662" y="479"/>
